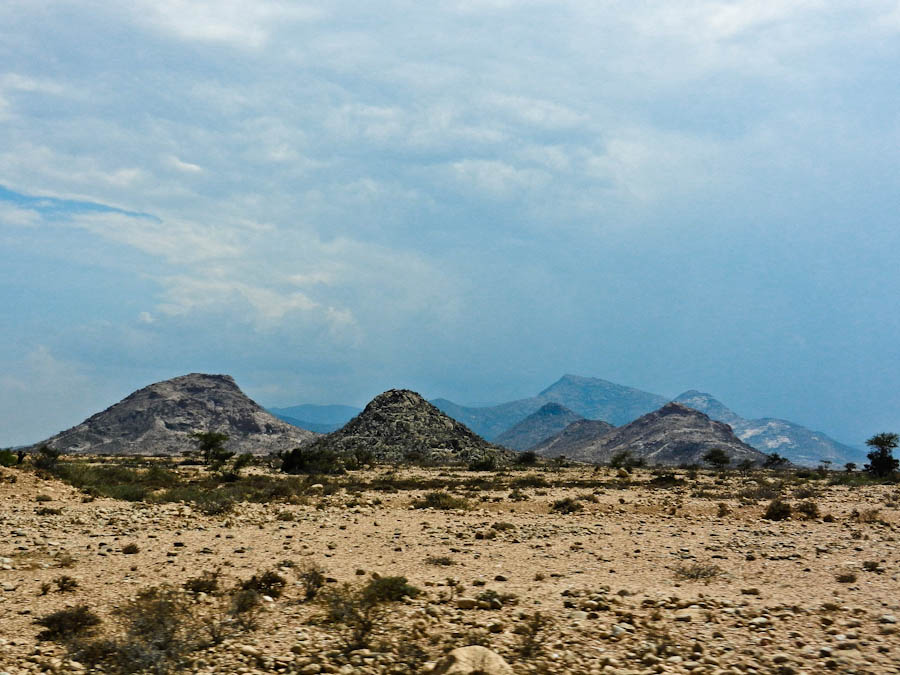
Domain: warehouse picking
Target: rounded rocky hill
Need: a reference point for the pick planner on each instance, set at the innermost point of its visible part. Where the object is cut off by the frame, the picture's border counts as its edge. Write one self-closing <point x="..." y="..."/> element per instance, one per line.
<point x="160" y="418"/>
<point x="401" y="426"/>
<point x="672" y="435"/>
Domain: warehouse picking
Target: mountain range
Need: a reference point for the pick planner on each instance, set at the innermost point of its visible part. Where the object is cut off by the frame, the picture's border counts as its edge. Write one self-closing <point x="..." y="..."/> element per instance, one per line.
<point x="597" y="399"/>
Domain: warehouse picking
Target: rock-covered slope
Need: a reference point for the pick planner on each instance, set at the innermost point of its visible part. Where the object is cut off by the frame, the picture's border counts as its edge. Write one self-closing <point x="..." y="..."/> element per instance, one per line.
<point x="540" y="425"/>
<point x="590" y="397"/>
<point x="798" y="444"/>
<point x="399" y="425"/>
<point x="672" y="435"/>
<point x="575" y="436"/>
<point x="158" y="420"/>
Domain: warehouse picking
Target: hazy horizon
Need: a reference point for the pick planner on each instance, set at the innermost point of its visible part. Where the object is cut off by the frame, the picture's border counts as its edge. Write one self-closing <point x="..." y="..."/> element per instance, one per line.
<point x="467" y="199"/>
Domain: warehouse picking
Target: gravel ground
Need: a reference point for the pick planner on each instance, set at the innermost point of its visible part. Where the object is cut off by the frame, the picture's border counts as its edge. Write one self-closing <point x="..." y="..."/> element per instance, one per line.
<point x="642" y="579"/>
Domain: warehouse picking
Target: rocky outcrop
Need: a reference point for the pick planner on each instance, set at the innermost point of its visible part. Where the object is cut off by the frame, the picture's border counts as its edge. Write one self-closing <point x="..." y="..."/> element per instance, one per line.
<point x="672" y="435"/>
<point x="540" y="425"/>
<point x="578" y="434"/>
<point x="401" y="426"/>
<point x="159" y="419"/>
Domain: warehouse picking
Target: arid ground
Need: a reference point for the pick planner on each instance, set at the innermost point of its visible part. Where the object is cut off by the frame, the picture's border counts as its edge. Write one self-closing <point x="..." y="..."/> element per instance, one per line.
<point x="648" y="573"/>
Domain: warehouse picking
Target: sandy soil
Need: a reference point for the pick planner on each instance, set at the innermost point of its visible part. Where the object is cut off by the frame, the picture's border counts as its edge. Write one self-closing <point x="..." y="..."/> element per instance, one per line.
<point x="605" y="579"/>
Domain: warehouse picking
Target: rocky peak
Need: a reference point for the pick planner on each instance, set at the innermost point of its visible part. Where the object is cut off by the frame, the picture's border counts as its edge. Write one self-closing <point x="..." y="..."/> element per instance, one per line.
<point x="400" y="425"/>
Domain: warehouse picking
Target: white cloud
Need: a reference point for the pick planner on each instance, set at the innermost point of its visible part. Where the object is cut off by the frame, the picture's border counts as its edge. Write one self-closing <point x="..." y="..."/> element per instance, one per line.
<point x="185" y="167"/>
<point x="242" y="24"/>
<point x="19" y="217"/>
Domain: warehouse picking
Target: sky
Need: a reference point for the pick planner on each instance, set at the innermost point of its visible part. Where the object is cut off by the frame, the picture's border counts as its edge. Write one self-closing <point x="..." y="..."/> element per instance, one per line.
<point x="468" y="198"/>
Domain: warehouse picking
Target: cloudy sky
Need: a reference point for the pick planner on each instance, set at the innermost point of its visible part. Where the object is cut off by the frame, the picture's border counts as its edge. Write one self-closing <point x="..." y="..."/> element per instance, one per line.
<point x="464" y="197"/>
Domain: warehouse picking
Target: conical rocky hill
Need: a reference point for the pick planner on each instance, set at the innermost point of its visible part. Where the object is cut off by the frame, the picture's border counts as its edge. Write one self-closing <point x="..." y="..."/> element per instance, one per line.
<point x="548" y="421"/>
<point x="399" y="426"/>
<point x="575" y="436"/>
<point x="159" y="419"/>
<point x="672" y="435"/>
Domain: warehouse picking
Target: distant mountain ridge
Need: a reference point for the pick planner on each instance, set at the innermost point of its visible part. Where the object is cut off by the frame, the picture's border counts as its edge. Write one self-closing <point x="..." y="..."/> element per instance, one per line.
<point x="160" y="418"/>
<point x="673" y="435"/>
<point x="799" y="444"/>
<point x="547" y="421"/>
<point x="590" y="397"/>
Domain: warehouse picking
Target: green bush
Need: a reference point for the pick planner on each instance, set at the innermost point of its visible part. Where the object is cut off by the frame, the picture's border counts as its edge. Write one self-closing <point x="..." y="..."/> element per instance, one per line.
<point x="7" y="458"/>
<point x="566" y="505"/>
<point x="67" y="623"/>
<point x="207" y="582"/>
<point x="778" y="510"/>
<point x="312" y="460"/>
<point x="268" y="583"/>
<point x="441" y="500"/>
<point x="527" y="458"/>
<point x="388" y="589"/>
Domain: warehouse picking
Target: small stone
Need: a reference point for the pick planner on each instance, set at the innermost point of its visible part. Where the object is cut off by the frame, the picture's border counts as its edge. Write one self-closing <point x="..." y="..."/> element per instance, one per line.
<point x="466" y="603"/>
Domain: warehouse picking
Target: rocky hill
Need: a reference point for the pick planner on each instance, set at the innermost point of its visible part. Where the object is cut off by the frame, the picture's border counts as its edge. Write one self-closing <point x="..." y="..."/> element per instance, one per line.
<point x="158" y="420"/>
<point x="575" y="436"/>
<point x="798" y="444"/>
<point x="672" y="435"/>
<point x="540" y="425"/>
<point x="401" y="426"/>
<point x="590" y="397"/>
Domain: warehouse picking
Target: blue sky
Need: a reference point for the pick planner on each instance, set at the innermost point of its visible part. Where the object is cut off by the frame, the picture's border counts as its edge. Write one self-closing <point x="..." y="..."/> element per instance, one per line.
<point x="465" y="198"/>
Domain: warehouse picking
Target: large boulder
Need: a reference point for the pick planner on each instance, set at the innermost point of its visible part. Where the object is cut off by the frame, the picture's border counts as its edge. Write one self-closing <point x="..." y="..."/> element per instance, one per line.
<point x="472" y="660"/>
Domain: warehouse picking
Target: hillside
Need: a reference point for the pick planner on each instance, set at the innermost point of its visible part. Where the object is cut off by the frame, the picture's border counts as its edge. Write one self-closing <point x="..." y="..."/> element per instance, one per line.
<point x="796" y="443"/>
<point x="575" y="436"/>
<point x="548" y="421"/>
<point x="672" y="435"/>
<point x="400" y="426"/>
<point x="158" y="420"/>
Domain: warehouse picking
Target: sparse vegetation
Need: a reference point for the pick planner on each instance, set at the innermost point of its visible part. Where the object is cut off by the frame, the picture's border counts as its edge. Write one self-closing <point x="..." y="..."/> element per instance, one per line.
<point x="312" y="578"/>
<point x="359" y="610"/>
<point x="778" y="510"/>
<point x="697" y="571"/>
<point x="440" y="500"/>
<point x="67" y="624"/>
<point x="268" y="583"/>
<point x="566" y="505"/>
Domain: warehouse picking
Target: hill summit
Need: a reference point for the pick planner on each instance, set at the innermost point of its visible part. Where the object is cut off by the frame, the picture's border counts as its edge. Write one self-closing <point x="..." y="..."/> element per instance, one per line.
<point x="160" y="418"/>
<point x="399" y="425"/>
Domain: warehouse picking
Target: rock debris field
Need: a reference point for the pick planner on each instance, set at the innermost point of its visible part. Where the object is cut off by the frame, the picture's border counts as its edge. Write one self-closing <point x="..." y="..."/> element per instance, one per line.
<point x="569" y="571"/>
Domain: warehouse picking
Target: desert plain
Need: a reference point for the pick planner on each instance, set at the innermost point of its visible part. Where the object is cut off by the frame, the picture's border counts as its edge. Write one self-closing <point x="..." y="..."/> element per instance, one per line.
<point x="554" y="569"/>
